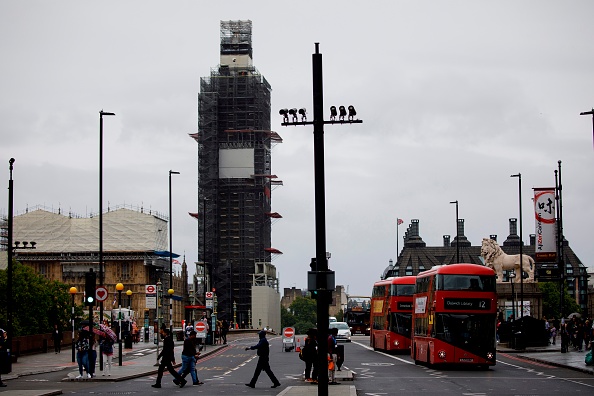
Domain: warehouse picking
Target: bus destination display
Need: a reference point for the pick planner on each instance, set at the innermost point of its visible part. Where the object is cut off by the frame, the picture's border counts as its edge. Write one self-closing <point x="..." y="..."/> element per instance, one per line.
<point x="467" y="303"/>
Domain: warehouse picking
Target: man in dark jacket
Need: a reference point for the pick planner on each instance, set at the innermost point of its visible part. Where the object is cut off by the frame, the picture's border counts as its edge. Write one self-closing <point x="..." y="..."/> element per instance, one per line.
<point x="167" y="356"/>
<point x="263" y="361"/>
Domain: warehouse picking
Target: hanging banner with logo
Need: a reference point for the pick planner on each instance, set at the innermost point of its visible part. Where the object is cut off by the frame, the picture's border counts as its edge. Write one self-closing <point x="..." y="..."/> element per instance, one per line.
<point x="546" y="235"/>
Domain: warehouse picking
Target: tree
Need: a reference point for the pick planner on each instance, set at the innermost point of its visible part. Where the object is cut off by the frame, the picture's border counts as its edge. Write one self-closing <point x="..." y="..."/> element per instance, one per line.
<point x="42" y="302"/>
<point x="287" y="318"/>
<point x="551" y="301"/>
<point x="304" y="309"/>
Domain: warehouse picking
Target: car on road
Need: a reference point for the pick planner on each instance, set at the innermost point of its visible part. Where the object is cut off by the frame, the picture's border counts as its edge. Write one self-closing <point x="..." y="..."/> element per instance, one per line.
<point x="344" y="331"/>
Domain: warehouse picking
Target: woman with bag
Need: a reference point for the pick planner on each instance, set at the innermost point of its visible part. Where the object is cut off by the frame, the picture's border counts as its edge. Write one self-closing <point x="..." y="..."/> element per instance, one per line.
<point x="106" y="347"/>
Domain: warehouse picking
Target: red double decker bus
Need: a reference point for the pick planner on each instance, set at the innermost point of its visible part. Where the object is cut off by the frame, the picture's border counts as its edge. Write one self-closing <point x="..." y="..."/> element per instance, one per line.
<point x="391" y="309"/>
<point x="454" y="316"/>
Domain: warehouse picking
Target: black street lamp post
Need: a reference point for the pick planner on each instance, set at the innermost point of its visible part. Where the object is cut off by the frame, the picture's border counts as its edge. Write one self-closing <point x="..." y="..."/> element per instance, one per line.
<point x="171" y="254"/>
<point x="119" y="288"/>
<point x="73" y="290"/>
<point x="320" y="280"/>
<point x="101" y="114"/>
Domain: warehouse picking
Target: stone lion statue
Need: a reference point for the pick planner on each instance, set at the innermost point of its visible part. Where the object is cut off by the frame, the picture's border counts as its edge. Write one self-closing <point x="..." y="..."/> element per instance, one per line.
<point x="498" y="260"/>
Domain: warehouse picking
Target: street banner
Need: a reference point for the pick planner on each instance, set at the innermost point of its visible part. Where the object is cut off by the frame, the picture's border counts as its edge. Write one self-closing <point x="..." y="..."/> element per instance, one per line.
<point x="545" y="224"/>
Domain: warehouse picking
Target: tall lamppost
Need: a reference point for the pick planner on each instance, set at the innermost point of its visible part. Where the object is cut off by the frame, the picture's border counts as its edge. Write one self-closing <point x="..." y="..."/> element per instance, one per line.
<point x="171" y="254"/>
<point x="101" y="114"/>
<point x="119" y="288"/>
<point x="159" y="313"/>
<point x="320" y="279"/>
<point x="9" y="271"/>
<point x="457" y="233"/>
<point x="591" y="112"/>
<point x="519" y="176"/>
<point x="73" y="292"/>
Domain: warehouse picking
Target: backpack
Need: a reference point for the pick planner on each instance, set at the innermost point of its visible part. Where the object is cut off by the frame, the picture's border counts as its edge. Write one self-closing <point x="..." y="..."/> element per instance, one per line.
<point x="589" y="360"/>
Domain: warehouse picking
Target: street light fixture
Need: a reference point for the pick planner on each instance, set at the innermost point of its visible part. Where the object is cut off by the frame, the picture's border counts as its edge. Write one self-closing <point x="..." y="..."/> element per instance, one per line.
<point x="129" y="294"/>
<point x="171" y="255"/>
<point x="73" y="292"/>
<point x="457" y="233"/>
<point x="591" y="112"/>
<point x="119" y="288"/>
<point x="323" y="278"/>
<point x="101" y="279"/>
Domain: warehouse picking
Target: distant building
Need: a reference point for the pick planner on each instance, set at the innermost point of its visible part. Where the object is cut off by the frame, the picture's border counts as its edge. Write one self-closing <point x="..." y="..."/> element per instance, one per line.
<point x="339" y="298"/>
<point x="416" y="257"/>
<point x="135" y="254"/>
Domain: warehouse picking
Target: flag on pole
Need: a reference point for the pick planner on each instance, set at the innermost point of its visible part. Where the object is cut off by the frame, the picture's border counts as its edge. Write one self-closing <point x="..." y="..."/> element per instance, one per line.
<point x="399" y="221"/>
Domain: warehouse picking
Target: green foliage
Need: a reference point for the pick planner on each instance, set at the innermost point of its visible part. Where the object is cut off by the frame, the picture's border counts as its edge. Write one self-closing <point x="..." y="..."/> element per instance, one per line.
<point x="37" y="303"/>
<point x="301" y="327"/>
<point x="340" y="316"/>
<point x="287" y="318"/>
<point x="551" y="301"/>
<point x="304" y="310"/>
<point x="301" y="315"/>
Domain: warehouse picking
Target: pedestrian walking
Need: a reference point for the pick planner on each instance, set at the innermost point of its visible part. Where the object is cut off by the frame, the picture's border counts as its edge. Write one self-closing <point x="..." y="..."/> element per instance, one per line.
<point x="82" y="354"/>
<point x="224" y="330"/>
<point x="189" y="358"/>
<point x="57" y="336"/>
<point x="92" y="355"/>
<point x="167" y="356"/>
<point x="106" y="348"/>
<point x="3" y="355"/>
<point x="263" y="349"/>
<point x="332" y="357"/>
<point x="310" y="353"/>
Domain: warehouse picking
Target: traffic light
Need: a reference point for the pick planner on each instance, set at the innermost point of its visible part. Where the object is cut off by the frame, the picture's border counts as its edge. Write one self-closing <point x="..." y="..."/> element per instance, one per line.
<point x="90" y="287"/>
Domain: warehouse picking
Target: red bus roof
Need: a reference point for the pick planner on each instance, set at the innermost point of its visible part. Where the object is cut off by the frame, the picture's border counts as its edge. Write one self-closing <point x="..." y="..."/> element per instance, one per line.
<point x="404" y="280"/>
<point x="383" y="282"/>
<point x="463" y="269"/>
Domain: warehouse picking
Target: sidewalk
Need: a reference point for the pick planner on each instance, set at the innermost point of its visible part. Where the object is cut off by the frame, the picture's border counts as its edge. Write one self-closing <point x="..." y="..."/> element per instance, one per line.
<point x="551" y="355"/>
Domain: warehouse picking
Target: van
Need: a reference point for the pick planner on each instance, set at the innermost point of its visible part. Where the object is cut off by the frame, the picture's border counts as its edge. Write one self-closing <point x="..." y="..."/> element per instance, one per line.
<point x="331" y="319"/>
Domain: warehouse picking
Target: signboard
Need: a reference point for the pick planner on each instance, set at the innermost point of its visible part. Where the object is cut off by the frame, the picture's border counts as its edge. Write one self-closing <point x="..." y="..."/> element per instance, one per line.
<point x="201" y="329"/>
<point x="467" y="303"/>
<point x="407" y="306"/>
<point x="420" y="305"/>
<point x="101" y="293"/>
<point x="151" y="296"/>
<point x="210" y="303"/>
<point x="209" y="295"/>
<point x="288" y="332"/>
<point x="545" y="227"/>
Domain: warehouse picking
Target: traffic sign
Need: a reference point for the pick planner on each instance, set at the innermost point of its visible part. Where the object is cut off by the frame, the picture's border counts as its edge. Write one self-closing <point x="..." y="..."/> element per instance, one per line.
<point x="200" y="327"/>
<point x="150" y="289"/>
<point x="209" y="294"/>
<point x="289" y="332"/>
<point x="101" y="293"/>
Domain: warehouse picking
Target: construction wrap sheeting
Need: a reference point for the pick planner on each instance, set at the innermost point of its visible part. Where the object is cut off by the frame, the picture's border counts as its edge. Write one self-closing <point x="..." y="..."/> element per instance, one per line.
<point x="123" y="230"/>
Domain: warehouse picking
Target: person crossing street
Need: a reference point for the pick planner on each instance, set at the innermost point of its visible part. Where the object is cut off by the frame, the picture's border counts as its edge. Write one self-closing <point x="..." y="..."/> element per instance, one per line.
<point x="263" y="349"/>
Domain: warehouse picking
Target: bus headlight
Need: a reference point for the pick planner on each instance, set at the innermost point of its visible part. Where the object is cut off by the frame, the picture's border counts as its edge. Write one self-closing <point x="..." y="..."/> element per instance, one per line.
<point x="396" y="343"/>
<point x="441" y="354"/>
<point x="490" y="355"/>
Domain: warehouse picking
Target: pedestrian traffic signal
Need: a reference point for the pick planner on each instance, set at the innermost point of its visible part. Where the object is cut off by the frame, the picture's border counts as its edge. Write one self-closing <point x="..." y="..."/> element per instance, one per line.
<point x="90" y="287"/>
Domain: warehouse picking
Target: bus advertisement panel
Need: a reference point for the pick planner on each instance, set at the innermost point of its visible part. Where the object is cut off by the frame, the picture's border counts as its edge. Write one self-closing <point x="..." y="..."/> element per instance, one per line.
<point x="391" y="310"/>
<point x="454" y="316"/>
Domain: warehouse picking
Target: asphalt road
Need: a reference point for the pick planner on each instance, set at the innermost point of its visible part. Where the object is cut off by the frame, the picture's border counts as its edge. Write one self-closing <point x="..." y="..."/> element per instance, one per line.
<point x="376" y="373"/>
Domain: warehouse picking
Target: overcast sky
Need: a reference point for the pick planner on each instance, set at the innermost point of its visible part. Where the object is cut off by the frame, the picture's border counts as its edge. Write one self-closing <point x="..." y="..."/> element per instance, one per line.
<point x="455" y="96"/>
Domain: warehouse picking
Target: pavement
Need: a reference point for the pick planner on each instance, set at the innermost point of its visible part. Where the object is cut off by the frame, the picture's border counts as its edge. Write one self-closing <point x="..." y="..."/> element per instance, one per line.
<point x="145" y="364"/>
